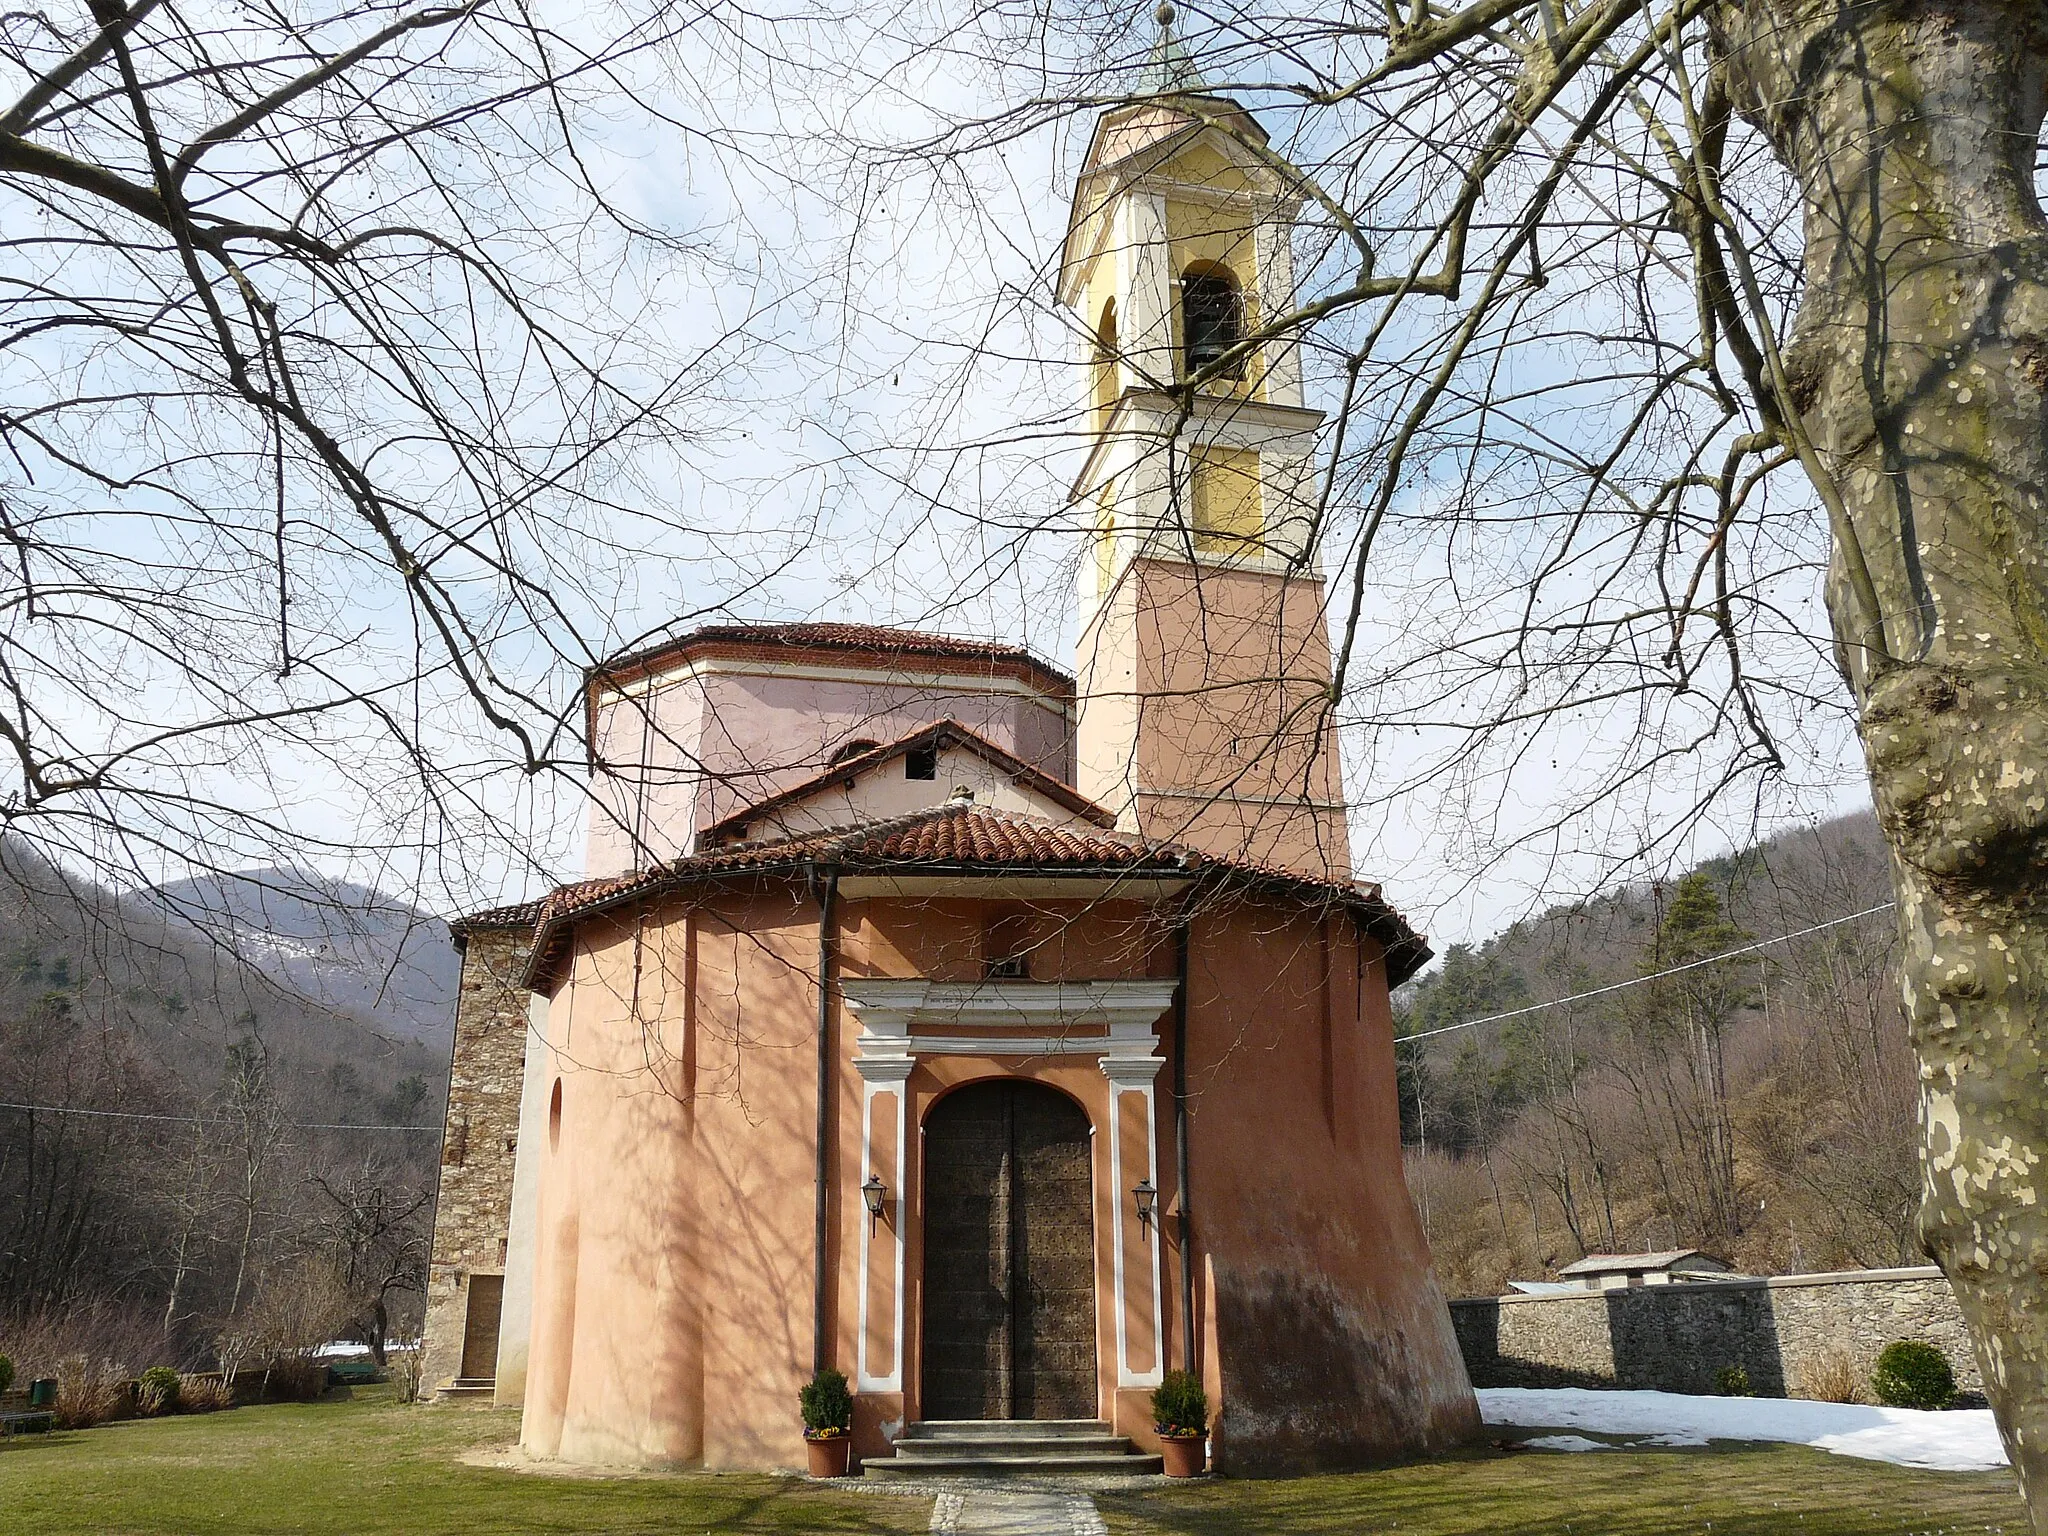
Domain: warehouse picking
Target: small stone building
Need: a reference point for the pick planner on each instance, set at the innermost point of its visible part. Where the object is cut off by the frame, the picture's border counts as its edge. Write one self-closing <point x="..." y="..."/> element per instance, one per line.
<point x="1606" y="1271"/>
<point x="479" y="1145"/>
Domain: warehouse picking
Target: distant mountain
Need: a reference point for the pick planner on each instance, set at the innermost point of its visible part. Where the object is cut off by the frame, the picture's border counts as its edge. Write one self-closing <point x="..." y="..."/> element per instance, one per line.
<point x="344" y="946"/>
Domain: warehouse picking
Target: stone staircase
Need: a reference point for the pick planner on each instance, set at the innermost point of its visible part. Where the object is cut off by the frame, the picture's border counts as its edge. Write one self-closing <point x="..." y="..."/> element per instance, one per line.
<point x="1011" y="1448"/>
<point x="468" y="1389"/>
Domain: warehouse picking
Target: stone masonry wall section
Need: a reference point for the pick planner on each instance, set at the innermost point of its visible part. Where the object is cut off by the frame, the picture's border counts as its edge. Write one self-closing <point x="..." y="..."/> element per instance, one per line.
<point x="1677" y="1338"/>
<point x="474" y="1211"/>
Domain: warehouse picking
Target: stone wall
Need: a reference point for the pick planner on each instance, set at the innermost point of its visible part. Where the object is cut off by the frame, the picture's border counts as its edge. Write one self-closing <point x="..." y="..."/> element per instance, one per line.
<point x="481" y="1134"/>
<point x="1677" y="1338"/>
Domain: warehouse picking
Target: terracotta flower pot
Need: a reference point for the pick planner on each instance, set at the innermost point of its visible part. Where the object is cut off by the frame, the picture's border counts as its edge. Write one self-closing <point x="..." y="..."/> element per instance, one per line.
<point x="1182" y="1454"/>
<point x="829" y="1457"/>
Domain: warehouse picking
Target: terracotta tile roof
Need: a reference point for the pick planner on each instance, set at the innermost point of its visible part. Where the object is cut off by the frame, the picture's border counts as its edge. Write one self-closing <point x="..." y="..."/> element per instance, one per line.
<point x="856" y="643"/>
<point x="963" y="837"/>
<point x="520" y="914"/>
<point x="942" y="733"/>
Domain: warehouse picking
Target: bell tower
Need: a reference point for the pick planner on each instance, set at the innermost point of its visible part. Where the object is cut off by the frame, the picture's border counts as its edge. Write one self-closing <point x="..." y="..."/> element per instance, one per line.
<point x="1203" y="663"/>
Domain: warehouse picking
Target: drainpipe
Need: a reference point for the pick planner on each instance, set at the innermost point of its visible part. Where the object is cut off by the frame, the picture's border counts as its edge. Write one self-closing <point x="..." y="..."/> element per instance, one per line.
<point x="1180" y="1139"/>
<point x="821" y="1289"/>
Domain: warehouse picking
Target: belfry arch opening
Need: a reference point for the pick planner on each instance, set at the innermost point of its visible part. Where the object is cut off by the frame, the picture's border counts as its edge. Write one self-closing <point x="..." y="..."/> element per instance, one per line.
<point x="1106" y="381"/>
<point x="1212" y="319"/>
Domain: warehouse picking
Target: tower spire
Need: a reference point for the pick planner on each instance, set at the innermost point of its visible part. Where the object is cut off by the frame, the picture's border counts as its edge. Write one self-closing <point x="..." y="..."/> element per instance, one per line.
<point x="1172" y="70"/>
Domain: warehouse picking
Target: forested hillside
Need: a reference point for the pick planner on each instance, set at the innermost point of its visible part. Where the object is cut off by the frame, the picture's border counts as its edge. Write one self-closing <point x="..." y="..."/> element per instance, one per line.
<point x="201" y="1198"/>
<point x="1761" y="1108"/>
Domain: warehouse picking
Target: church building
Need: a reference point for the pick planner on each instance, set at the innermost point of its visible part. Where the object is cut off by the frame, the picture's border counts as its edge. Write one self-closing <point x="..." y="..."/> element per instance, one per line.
<point x="1000" y="1037"/>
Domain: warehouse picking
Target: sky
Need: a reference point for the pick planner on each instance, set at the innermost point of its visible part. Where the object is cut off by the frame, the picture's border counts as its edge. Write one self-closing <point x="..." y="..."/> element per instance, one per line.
<point x="878" y="391"/>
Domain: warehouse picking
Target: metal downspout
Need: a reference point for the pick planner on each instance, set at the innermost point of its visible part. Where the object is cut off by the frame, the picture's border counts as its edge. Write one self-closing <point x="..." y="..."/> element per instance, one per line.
<point x="1180" y="1140"/>
<point x="821" y="1289"/>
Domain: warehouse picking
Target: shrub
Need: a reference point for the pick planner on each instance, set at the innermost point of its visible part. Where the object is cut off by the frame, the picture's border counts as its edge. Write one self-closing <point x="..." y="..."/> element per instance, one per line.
<point x="202" y="1394"/>
<point x="6" y="1373"/>
<point x="156" y="1391"/>
<point x="294" y="1379"/>
<point x="827" y="1405"/>
<point x="1733" y="1381"/>
<point x="1911" y="1374"/>
<point x="122" y="1336"/>
<point x="1179" y="1405"/>
<point x="89" y="1392"/>
<point x="1832" y="1378"/>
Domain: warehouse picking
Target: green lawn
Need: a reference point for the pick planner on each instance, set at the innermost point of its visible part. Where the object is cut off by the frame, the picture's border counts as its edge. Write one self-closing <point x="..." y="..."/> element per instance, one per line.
<point x="367" y="1466"/>
<point x="1729" y="1491"/>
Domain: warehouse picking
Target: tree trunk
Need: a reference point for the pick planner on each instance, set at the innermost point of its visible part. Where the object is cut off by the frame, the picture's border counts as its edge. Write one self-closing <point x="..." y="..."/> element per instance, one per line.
<point x="1919" y="366"/>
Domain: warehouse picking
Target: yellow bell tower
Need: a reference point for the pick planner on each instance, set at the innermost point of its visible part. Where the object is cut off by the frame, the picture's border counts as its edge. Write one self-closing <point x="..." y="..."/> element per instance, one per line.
<point x="1203" y="665"/>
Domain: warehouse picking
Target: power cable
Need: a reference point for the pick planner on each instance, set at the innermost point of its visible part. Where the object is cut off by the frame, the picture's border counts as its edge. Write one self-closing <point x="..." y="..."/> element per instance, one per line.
<point x="120" y="1114"/>
<point x="1637" y="981"/>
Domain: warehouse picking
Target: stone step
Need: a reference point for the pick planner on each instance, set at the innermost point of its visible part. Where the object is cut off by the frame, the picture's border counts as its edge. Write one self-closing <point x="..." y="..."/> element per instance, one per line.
<point x="467" y="1388"/>
<point x="953" y="1448"/>
<point x="956" y="1429"/>
<point x="905" y="1464"/>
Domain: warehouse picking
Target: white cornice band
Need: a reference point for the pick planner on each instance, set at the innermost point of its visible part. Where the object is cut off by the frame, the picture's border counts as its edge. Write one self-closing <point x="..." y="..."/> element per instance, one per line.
<point x="1114" y="1021"/>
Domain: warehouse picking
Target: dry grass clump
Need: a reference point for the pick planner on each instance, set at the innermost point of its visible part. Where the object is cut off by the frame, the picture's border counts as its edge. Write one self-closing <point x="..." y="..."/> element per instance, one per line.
<point x="1831" y="1377"/>
<point x="89" y="1391"/>
<point x="202" y="1394"/>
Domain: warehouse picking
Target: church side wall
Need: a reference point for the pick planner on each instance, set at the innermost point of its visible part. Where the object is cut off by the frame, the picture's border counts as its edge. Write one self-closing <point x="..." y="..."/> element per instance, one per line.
<point x="472" y="1215"/>
<point x="672" y="1286"/>
<point x="1334" y="1345"/>
<point x="643" y="805"/>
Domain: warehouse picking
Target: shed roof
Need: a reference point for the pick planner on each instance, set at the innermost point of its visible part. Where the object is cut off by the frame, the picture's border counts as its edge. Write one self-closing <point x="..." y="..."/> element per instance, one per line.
<point x="1639" y="1263"/>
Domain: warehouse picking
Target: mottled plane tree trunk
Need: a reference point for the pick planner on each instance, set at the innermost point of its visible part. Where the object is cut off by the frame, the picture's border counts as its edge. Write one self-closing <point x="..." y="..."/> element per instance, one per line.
<point x="1919" y="364"/>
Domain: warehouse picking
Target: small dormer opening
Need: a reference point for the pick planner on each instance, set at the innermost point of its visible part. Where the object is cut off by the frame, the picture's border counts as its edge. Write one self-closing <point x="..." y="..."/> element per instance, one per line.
<point x="853" y="748"/>
<point x="921" y="763"/>
<point x="1212" y="319"/>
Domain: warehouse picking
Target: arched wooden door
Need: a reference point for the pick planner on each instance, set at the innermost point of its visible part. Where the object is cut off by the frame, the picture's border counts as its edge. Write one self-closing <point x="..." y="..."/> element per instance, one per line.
<point x="1009" y="1256"/>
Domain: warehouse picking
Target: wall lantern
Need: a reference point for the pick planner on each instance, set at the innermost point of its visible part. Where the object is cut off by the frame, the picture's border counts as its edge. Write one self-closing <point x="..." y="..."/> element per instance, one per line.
<point x="1147" y="1198"/>
<point x="875" y="1193"/>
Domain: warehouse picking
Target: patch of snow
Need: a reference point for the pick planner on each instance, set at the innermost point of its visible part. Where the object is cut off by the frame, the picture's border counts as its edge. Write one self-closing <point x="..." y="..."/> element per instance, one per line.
<point x="1565" y="1443"/>
<point x="342" y="1349"/>
<point x="1955" y="1440"/>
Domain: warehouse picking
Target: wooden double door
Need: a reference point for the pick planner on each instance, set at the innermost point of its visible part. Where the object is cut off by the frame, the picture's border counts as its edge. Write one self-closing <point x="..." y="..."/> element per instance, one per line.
<point x="1009" y="1256"/>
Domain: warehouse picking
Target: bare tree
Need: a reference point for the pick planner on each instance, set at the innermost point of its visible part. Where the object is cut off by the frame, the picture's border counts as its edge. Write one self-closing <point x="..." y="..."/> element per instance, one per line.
<point x="341" y="397"/>
<point x="1587" y="281"/>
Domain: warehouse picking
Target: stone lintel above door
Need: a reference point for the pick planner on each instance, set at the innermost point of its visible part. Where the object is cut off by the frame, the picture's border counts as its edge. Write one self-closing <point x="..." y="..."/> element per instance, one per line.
<point x="903" y="1018"/>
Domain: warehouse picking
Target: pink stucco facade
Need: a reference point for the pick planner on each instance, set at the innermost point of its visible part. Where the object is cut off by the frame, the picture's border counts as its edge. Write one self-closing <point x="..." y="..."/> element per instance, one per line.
<point x="674" y="1266"/>
<point x="701" y="732"/>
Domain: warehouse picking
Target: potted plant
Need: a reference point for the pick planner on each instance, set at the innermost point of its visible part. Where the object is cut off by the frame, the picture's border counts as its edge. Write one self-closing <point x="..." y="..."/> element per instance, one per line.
<point x="1180" y="1413"/>
<point x="828" y="1423"/>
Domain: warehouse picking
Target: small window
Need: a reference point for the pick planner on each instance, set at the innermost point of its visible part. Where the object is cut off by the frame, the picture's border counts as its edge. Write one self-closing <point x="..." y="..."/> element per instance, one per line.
<point x="1006" y="947"/>
<point x="921" y="763"/>
<point x="456" y="1149"/>
<point x="555" y="1116"/>
<point x="1212" y="320"/>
